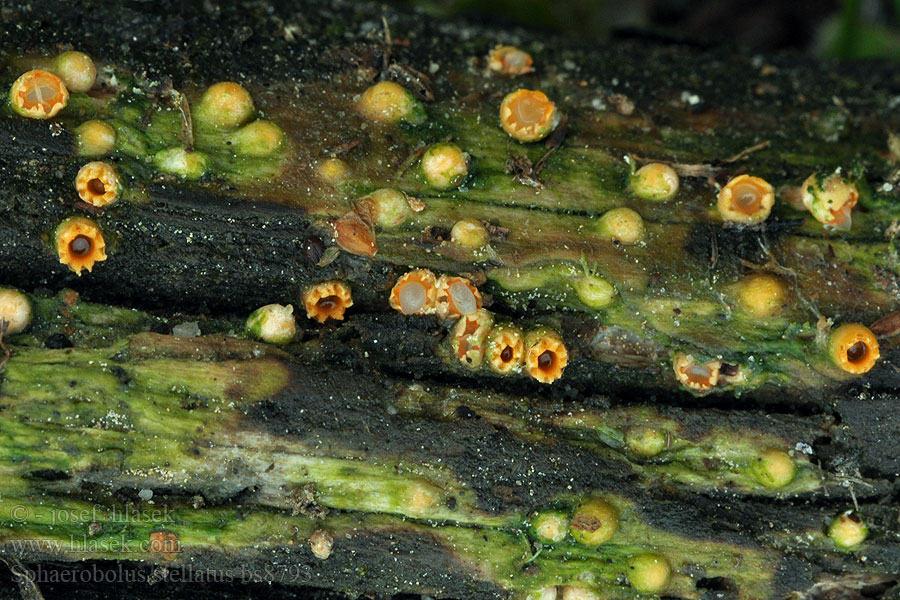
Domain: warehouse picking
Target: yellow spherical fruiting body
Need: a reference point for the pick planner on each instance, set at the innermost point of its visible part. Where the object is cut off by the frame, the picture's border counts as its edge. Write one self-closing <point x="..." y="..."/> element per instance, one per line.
<point x="444" y="166"/>
<point x="848" y="530"/>
<point x="390" y="103"/>
<point x="854" y="348"/>
<point x="179" y="161"/>
<point x="38" y="94"/>
<point x="469" y="233"/>
<point x="226" y="105"/>
<point x="655" y="181"/>
<point x="649" y="573"/>
<point x="333" y="170"/>
<point x="387" y="207"/>
<point x="76" y="69"/>
<point x="773" y="468"/>
<point x="549" y="526"/>
<point x="622" y="225"/>
<point x="594" y="522"/>
<point x="95" y="138"/>
<point x="528" y="115"/>
<point x="259" y="138"/>
<point x="645" y="441"/>
<point x="594" y="291"/>
<point x="761" y="295"/>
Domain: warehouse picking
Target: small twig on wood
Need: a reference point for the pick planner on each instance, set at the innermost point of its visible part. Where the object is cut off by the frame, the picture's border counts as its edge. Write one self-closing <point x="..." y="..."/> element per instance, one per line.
<point x="705" y="170"/>
<point x="747" y="151"/>
<point x="388" y="43"/>
<point x="344" y="148"/>
<point x="553" y="143"/>
<point x="409" y="160"/>
<point x="187" y="126"/>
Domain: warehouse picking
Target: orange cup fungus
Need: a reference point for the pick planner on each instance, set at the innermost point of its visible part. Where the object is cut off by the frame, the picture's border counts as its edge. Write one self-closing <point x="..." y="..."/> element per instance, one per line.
<point x="456" y="296"/>
<point x="505" y="349"/>
<point x="509" y="60"/>
<point x="80" y="244"/>
<point x="545" y="355"/>
<point x="327" y="300"/>
<point x="853" y="348"/>
<point x="469" y="337"/>
<point x="415" y="293"/>
<point x="38" y="94"/>
<point x="97" y="183"/>
<point x="746" y="199"/>
<point x="695" y="376"/>
<point x="528" y="115"/>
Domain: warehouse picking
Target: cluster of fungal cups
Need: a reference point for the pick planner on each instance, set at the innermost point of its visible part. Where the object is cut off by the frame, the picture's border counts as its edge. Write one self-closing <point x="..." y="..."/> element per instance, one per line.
<point x="851" y="347"/>
<point x="593" y="523"/>
<point x="275" y="323"/>
<point x="225" y="109"/>
<point x="476" y="339"/>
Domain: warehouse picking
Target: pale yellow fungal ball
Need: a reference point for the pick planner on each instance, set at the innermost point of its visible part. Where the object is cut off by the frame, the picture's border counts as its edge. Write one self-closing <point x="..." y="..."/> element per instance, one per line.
<point x="225" y="104"/>
<point x="550" y="527"/>
<point x="579" y="592"/>
<point x="95" y="138"/>
<point x="15" y="309"/>
<point x="321" y="543"/>
<point x="655" y="181"/>
<point x="333" y="170"/>
<point x="272" y="323"/>
<point x="444" y="166"/>
<point x="848" y="530"/>
<point x="469" y="233"/>
<point x="77" y="70"/>
<point x="773" y="468"/>
<point x="259" y="138"/>
<point x="594" y="522"/>
<point x="178" y="161"/>
<point x="595" y="292"/>
<point x="762" y="295"/>
<point x="649" y="573"/>
<point x="645" y="441"/>
<point x="388" y="102"/>
<point x="622" y="224"/>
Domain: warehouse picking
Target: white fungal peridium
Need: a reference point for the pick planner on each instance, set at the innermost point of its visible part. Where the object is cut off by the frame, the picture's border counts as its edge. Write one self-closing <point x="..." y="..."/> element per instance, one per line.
<point x="15" y="309"/>
<point x="415" y="293"/>
<point x="180" y="161"/>
<point x="272" y="323"/>
<point x="456" y="296"/>
<point x="321" y="543"/>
